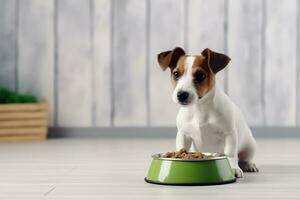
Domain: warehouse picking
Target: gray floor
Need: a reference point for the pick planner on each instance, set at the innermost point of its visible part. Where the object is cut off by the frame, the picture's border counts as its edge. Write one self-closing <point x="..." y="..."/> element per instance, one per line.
<point x="115" y="168"/>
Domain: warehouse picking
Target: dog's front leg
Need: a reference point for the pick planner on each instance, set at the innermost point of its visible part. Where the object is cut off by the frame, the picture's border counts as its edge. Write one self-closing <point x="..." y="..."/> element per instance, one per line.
<point x="231" y="151"/>
<point x="183" y="141"/>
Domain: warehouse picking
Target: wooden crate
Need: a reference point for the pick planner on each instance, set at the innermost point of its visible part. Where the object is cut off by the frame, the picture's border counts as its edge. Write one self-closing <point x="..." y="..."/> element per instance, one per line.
<point x="23" y="122"/>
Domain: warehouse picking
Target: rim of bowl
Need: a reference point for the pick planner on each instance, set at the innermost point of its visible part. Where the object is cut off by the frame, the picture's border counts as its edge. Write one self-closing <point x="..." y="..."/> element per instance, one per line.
<point x="211" y="156"/>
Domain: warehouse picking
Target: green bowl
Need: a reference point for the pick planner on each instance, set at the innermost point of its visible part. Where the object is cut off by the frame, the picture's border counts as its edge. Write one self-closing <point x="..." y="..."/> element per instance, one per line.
<point x="213" y="170"/>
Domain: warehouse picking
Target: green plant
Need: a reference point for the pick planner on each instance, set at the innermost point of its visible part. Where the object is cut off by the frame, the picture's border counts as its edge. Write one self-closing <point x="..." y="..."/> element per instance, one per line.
<point x="9" y="96"/>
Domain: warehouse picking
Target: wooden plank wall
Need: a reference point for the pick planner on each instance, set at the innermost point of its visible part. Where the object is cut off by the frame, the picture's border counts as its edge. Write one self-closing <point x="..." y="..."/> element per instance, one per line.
<point x="8" y="40"/>
<point x="36" y="51"/>
<point x="166" y="30"/>
<point x="280" y="61"/>
<point x="74" y="63"/>
<point x="129" y="62"/>
<point x="245" y="47"/>
<point x="95" y="61"/>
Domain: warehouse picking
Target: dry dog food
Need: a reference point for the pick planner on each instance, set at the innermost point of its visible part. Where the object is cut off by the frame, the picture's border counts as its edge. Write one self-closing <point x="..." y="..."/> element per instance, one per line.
<point x="184" y="154"/>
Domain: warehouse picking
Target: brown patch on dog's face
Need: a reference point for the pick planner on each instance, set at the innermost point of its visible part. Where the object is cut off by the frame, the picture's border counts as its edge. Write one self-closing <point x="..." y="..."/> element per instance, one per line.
<point x="204" y="78"/>
<point x="192" y="77"/>
<point x="178" y="71"/>
<point x="199" y="68"/>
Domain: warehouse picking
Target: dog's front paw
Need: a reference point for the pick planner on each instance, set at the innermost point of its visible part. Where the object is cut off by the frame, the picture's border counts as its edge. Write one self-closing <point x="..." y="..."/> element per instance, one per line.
<point x="238" y="173"/>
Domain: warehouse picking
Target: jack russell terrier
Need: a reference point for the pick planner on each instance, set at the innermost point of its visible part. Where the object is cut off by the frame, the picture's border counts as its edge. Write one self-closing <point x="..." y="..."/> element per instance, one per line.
<point x="208" y="120"/>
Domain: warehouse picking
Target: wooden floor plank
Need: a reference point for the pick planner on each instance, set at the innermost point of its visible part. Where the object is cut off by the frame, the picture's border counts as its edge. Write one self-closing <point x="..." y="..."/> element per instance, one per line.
<point x="101" y="167"/>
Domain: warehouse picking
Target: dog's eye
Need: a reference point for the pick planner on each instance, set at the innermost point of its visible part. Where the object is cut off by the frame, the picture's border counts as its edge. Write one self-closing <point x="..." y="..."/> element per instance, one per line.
<point x="176" y="75"/>
<point x="200" y="76"/>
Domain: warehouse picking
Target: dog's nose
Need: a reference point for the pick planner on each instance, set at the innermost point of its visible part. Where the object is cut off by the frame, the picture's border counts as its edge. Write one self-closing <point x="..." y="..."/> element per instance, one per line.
<point x="182" y="96"/>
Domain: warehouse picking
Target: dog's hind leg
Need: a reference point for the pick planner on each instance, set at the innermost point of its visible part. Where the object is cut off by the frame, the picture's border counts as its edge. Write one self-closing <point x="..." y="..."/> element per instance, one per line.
<point x="246" y="155"/>
<point x="248" y="166"/>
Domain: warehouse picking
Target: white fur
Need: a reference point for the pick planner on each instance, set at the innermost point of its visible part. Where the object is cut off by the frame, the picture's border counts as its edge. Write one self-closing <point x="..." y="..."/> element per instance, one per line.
<point x="212" y="124"/>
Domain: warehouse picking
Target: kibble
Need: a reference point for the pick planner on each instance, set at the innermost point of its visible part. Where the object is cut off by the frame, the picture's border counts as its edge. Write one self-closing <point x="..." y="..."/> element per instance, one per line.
<point x="184" y="154"/>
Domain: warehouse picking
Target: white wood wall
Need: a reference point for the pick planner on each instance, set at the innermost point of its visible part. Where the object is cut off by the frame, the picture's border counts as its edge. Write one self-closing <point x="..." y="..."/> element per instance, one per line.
<point x="95" y="61"/>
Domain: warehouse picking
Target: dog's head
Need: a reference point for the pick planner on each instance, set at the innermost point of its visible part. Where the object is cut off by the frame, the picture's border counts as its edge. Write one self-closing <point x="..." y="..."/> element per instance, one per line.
<point x="192" y="76"/>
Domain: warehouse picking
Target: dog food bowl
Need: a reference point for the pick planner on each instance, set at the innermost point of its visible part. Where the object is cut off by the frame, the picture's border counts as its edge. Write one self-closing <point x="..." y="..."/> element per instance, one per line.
<point x="212" y="170"/>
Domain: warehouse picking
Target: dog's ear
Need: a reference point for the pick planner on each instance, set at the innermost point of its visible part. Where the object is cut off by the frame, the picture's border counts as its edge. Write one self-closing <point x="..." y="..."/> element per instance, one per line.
<point x="170" y="58"/>
<point x="216" y="61"/>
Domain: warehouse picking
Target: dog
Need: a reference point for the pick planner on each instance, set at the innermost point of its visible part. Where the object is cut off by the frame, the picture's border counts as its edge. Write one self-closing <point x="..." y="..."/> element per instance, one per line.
<point x="208" y="121"/>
